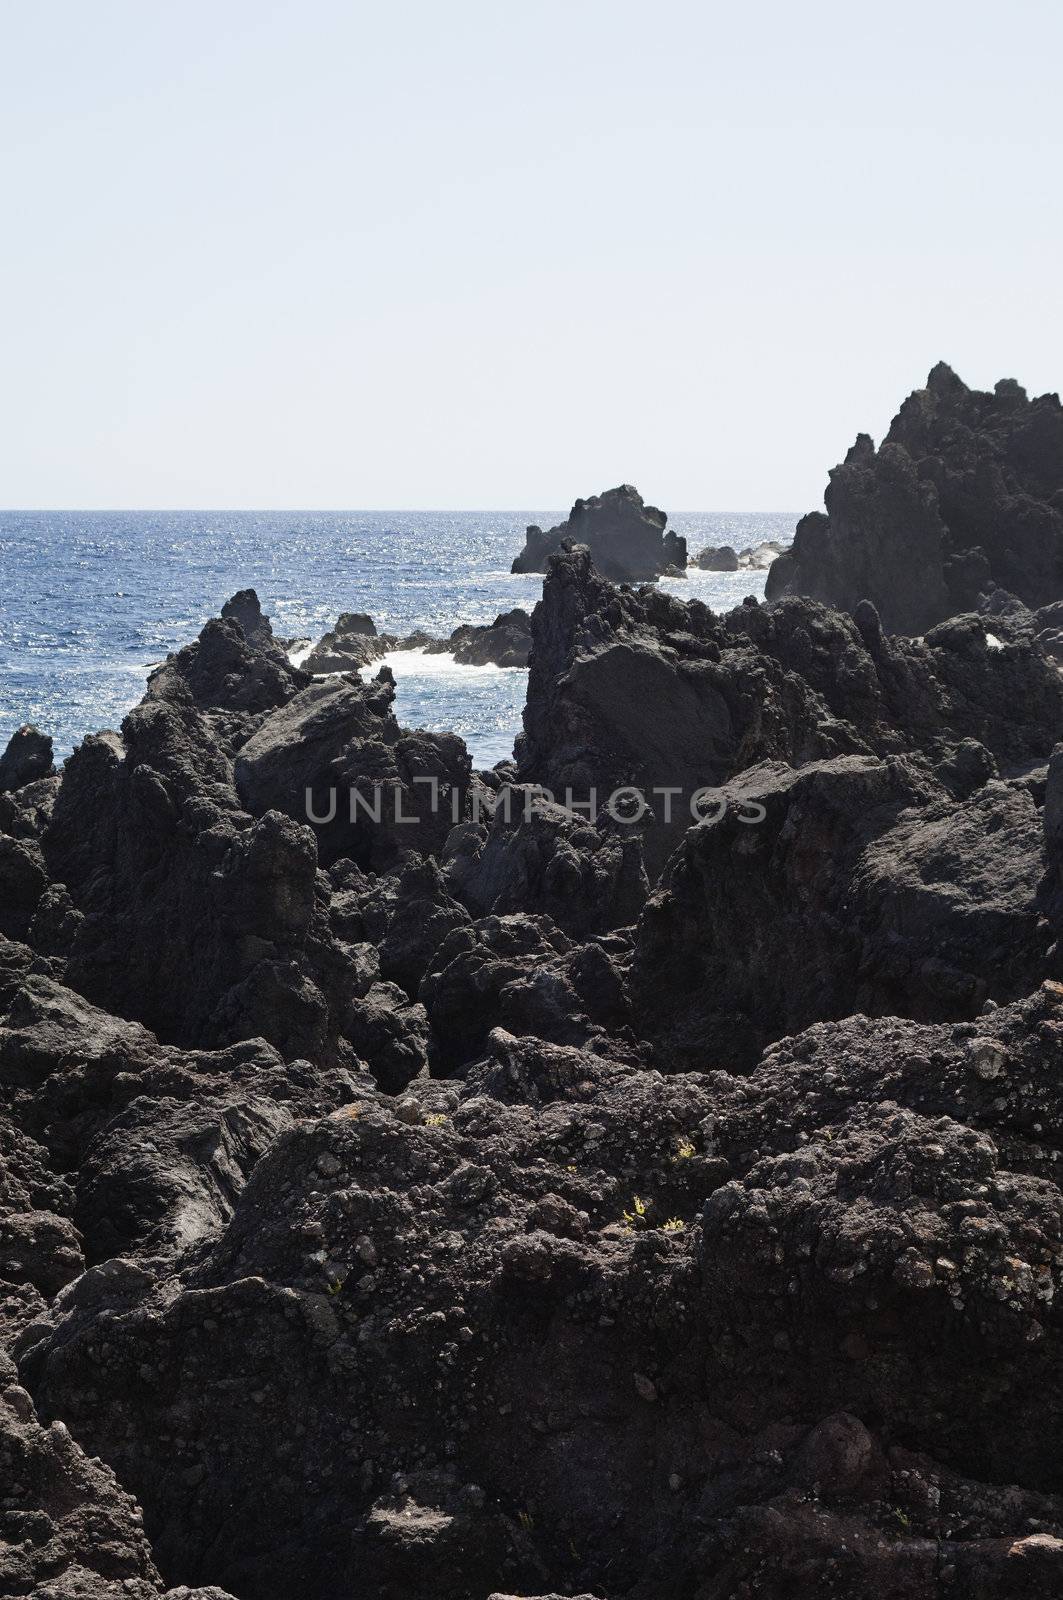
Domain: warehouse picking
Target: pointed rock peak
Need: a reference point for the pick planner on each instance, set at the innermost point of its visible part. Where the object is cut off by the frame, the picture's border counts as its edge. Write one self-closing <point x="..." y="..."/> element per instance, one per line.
<point x="28" y="756"/>
<point x="942" y="380"/>
<point x="244" y="608"/>
<point x="861" y="450"/>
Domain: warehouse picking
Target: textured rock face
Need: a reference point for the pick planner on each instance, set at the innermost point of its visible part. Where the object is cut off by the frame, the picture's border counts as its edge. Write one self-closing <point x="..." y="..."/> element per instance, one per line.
<point x="964" y="494"/>
<point x="539" y="857"/>
<point x="352" y="643"/>
<point x="28" y="757"/>
<point x="640" y="688"/>
<point x="513" y="1203"/>
<point x="866" y="888"/>
<point x="626" y="538"/>
<point x="603" y="1287"/>
<point x="506" y="642"/>
<point x="340" y="739"/>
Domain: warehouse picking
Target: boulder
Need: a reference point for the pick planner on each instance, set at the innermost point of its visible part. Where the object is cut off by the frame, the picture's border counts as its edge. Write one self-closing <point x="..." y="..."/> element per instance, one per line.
<point x="506" y="642"/>
<point x="353" y="643"/>
<point x="719" y="558"/>
<point x="539" y="857"/>
<point x="337" y="758"/>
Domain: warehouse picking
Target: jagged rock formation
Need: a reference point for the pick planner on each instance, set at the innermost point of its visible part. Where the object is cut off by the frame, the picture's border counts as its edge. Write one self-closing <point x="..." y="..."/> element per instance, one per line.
<point x="485" y="1199"/>
<point x="964" y="494"/>
<point x="638" y="688"/>
<point x="68" y="1531"/>
<point x="626" y="538"/>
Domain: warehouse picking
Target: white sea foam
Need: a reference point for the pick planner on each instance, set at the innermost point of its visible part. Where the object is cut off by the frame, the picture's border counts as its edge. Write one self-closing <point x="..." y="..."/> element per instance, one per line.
<point x="421" y="663"/>
<point x="297" y="657"/>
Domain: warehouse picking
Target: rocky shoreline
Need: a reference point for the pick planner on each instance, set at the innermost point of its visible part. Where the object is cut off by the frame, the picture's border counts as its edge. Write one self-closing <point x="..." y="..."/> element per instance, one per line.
<point x="418" y="1180"/>
<point x="355" y="642"/>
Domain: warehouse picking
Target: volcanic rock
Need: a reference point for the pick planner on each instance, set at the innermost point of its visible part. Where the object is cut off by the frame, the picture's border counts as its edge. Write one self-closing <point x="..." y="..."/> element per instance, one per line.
<point x="636" y="688"/>
<point x="470" y="1207"/>
<point x="862" y="888"/>
<point x="506" y="642"/>
<point x="863" y="1228"/>
<point x="966" y="491"/>
<point x="627" y="538"/>
<point x="724" y="557"/>
<point x="351" y="644"/>
<point x="27" y="758"/>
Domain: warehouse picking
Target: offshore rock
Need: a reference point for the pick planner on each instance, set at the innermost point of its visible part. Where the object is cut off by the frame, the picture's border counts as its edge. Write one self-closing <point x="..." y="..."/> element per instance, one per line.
<point x="725" y="558"/>
<point x="626" y="538"/>
<point x="351" y="644"/>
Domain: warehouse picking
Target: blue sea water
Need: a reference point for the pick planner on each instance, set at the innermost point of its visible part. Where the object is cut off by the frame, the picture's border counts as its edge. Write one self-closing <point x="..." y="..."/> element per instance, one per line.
<point x="90" y="600"/>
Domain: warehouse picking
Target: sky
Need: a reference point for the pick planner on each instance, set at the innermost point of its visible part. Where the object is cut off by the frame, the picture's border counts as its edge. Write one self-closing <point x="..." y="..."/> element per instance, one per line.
<point x="325" y="254"/>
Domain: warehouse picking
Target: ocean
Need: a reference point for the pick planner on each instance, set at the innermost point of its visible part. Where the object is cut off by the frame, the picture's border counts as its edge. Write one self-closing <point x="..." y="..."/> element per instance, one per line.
<point x="91" y="600"/>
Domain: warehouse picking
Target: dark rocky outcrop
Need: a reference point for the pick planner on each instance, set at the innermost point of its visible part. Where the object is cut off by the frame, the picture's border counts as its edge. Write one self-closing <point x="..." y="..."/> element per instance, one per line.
<point x="517" y="1202"/>
<point x="338" y="739"/>
<point x="864" y="888"/>
<point x="965" y="492"/>
<point x="68" y="1529"/>
<point x="639" y="688"/>
<point x="27" y="758"/>
<point x="540" y="857"/>
<point x="626" y="538"/>
<point x="506" y="642"/>
<point x="604" y="1287"/>
<point x="354" y="642"/>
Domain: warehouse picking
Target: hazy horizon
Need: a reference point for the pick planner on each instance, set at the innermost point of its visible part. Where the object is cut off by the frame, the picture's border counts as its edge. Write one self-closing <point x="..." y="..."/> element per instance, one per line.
<point x="328" y="256"/>
<point x="339" y="511"/>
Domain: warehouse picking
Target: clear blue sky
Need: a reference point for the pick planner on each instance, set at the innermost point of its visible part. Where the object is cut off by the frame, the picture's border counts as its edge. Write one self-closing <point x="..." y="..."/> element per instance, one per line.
<point x="481" y="254"/>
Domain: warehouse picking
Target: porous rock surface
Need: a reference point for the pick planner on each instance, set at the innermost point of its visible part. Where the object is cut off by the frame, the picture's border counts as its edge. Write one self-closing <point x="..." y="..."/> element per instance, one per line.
<point x="490" y="1199"/>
